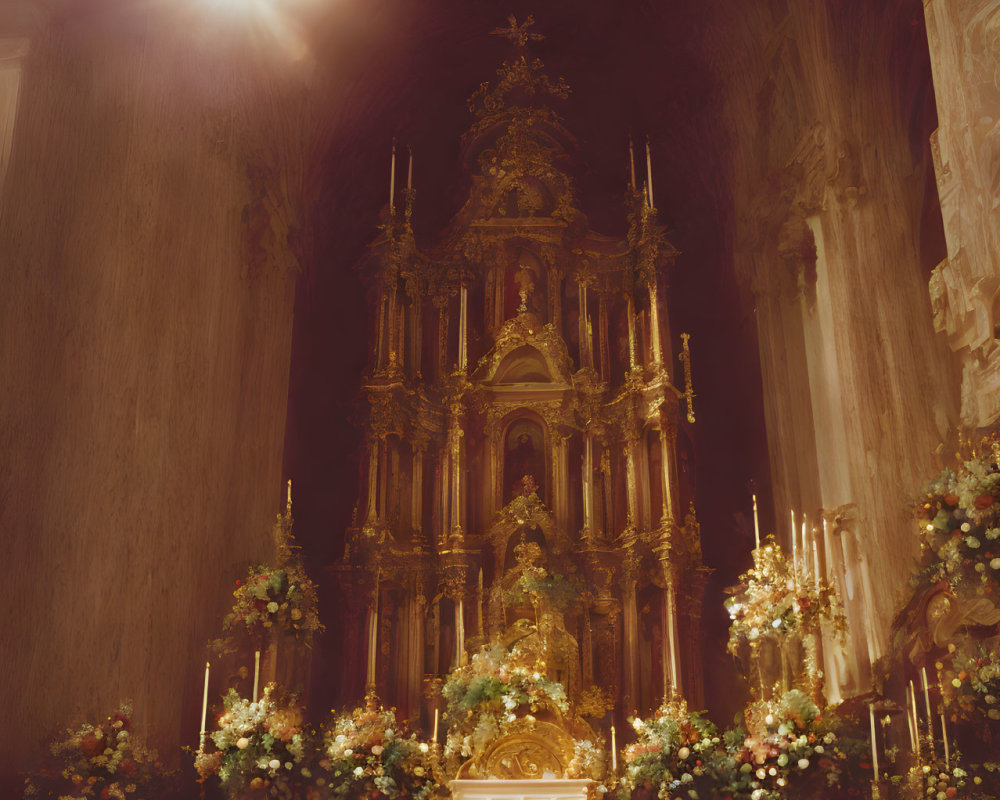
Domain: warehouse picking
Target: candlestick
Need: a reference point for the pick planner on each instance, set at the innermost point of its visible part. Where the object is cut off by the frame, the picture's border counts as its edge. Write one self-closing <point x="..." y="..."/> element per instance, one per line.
<point x="614" y="751"/>
<point x="944" y="738"/>
<point x="927" y="701"/>
<point x="756" y="524"/>
<point x="288" y="502"/>
<point x="204" y="708"/>
<point x="815" y="549"/>
<point x="434" y="738"/>
<point x="871" y="714"/>
<point x="256" y="673"/>
<point x="409" y="171"/>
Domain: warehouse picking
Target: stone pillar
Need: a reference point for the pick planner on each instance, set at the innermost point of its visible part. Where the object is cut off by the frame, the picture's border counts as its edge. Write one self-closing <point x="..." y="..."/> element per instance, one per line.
<point x="630" y="636"/>
<point x="588" y="486"/>
<point x="602" y="333"/>
<point x="455" y="448"/>
<point x="442" y="364"/>
<point x="631" y="480"/>
<point x="665" y="475"/>
<point x="586" y="345"/>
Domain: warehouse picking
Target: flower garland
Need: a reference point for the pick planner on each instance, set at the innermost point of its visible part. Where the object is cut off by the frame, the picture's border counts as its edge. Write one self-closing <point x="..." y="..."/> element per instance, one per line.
<point x="366" y="756"/>
<point x="258" y="746"/>
<point x="940" y="781"/>
<point x="676" y="753"/>
<point x="775" y="602"/>
<point x="101" y="761"/>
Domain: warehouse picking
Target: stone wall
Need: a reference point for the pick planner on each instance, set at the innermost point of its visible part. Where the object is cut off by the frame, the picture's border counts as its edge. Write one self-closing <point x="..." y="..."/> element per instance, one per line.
<point x="830" y="105"/>
<point x="145" y="334"/>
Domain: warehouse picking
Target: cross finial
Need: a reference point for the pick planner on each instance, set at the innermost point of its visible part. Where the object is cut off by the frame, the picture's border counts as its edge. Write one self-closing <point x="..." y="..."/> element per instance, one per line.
<point x="519" y="34"/>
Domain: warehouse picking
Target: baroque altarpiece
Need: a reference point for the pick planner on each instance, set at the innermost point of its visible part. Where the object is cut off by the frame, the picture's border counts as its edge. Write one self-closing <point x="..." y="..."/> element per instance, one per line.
<point x="521" y="418"/>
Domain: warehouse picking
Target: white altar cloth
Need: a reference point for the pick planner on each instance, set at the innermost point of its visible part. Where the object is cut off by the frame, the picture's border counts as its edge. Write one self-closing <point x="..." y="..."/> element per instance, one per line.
<point x="554" y="789"/>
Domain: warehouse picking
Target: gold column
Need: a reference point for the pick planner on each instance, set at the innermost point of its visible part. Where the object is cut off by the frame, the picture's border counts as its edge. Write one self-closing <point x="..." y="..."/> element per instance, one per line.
<point x="416" y="500"/>
<point x="675" y="673"/>
<point x="654" y="322"/>
<point x="586" y="346"/>
<point x="455" y="452"/>
<point x="602" y="333"/>
<point x="633" y="357"/>
<point x="630" y="623"/>
<point x="588" y="649"/>
<point x="415" y="655"/>
<point x="445" y="485"/>
<point x="588" y="485"/>
<point x="372" y="514"/>
<point x="442" y="337"/>
<point x="631" y="485"/>
<point x="665" y="469"/>
<point x="383" y="477"/>
<point x="380" y="343"/>
<point x="459" y="631"/>
<point x="391" y="327"/>
<point x="416" y="331"/>
<point x="463" y="357"/>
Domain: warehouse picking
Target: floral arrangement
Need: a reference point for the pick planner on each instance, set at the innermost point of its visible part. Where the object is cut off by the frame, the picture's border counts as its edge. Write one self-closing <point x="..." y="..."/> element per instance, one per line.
<point x="676" y="753"/>
<point x="101" y="761"/>
<point x="960" y="533"/>
<point x="792" y="749"/>
<point x="485" y="695"/>
<point x="975" y="684"/>
<point x="556" y="591"/>
<point x="259" y="747"/>
<point x="366" y="756"/>
<point x="283" y="598"/>
<point x="940" y="781"/>
<point x="775" y="601"/>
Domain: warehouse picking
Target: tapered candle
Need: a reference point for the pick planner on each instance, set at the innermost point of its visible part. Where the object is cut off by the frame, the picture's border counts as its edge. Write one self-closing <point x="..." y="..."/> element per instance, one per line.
<point x="614" y="751"/>
<point x="916" y="719"/>
<point x="479" y="603"/>
<point x="631" y="161"/>
<point x="815" y="549"/>
<point x="204" y="708"/>
<point x="392" y="178"/>
<point x="871" y="715"/>
<point x="927" y="701"/>
<point x="649" y="173"/>
<point x="289" y="501"/>
<point x="434" y="738"/>
<point x="944" y="734"/>
<point x="409" y="172"/>
<point x="805" y="551"/>
<point x="909" y="722"/>
<point x="756" y="525"/>
<point x="256" y="673"/>
<point x="795" y="551"/>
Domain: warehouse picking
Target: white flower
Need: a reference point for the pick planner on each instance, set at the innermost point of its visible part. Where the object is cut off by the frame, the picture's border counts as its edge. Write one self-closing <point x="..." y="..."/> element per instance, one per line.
<point x="995" y="563"/>
<point x="972" y="542"/>
<point x="243" y="743"/>
<point x="272" y="606"/>
<point x="274" y="763"/>
<point x="359" y="771"/>
<point x="803" y="763"/>
<point x="423" y="747"/>
<point x="683" y="753"/>
<point x="340" y="739"/>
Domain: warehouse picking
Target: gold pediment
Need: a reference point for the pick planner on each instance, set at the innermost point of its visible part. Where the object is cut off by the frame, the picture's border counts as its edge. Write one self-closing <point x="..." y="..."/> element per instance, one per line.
<point x="530" y="750"/>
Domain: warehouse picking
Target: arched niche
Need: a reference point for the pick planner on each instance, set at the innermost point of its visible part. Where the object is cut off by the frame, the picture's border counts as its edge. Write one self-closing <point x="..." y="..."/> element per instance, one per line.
<point x="524" y="364"/>
<point x="524" y="454"/>
<point x="525" y="285"/>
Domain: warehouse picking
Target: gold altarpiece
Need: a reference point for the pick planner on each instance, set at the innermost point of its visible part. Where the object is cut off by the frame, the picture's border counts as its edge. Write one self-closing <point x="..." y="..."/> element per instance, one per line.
<point x="520" y="391"/>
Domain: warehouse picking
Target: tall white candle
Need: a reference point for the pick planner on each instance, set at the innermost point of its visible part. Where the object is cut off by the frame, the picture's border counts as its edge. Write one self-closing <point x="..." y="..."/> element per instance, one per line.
<point x="795" y="550"/>
<point x="479" y="604"/>
<point x="909" y="723"/>
<point x="649" y="173"/>
<point x="805" y="551"/>
<point x="871" y="715"/>
<point x="204" y="707"/>
<point x="614" y="751"/>
<point x="916" y="718"/>
<point x="392" y="179"/>
<point x="256" y="673"/>
<point x="944" y="734"/>
<point x="756" y="525"/>
<point x="434" y="738"/>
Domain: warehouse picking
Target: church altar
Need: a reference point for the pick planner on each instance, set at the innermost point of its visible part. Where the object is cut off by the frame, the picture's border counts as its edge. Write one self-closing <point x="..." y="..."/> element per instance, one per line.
<point x="544" y="789"/>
